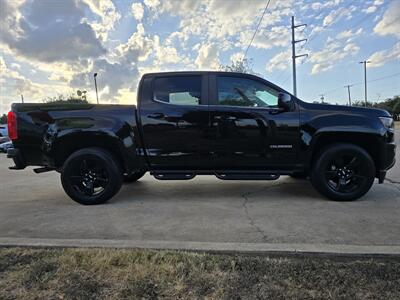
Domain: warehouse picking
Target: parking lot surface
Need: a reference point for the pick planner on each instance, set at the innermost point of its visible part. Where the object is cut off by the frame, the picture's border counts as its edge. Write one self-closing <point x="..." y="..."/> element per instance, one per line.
<point x="204" y="209"/>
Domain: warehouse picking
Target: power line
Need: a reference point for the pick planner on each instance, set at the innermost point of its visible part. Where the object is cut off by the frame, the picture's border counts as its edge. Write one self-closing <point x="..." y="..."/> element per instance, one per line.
<point x="362" y="82"/>
<point x="258" y="26"/>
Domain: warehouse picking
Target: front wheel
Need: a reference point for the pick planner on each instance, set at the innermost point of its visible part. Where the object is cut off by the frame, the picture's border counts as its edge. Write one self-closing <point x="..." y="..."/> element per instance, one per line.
<point x="91" y="176"/>
<point x="343" y="172"/>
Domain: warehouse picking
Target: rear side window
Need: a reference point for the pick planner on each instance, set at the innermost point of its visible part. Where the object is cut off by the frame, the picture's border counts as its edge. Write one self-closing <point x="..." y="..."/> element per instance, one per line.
<point x="179" y="90"/>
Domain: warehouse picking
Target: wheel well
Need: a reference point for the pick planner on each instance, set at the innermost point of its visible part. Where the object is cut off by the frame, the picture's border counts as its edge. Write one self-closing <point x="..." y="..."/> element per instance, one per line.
<point x="365" y="141"/>
<point x="67" y="147"/>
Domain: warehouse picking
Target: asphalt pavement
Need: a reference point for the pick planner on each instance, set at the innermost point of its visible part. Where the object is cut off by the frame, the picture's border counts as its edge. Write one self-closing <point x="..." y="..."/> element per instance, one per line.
<point x="203" y="211"/>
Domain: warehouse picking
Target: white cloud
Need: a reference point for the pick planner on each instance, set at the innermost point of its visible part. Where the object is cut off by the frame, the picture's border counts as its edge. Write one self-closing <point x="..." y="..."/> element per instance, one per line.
<point x="333" y="52"/>
<point x="51" y="31"/>
<point x="137" y="11"/>
<point x="390" y="22"/>
<point x="15" y="66"/>
<point x="106" y="10"/>
<point x="137" y="48"/>
<point x="165" y="54"/>
<point x="349" y="34"/>
<point x="238" y="56"/>
<point x="279" y="62"/>
<point x="370" y="10"/>
<point x="336" y="15"/>
<point x="208" y="56"/>
<point x="277" y="36"/>
<point x="13" y="84"/>
<point x="152" y="3"/>
<point x="380" y="58"/>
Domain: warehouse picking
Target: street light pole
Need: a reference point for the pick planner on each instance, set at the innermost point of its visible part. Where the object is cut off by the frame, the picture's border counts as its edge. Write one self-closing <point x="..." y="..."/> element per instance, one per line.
<point x="95" y="85"/>
<point x="348" y="90"/>
<point x="365" y="62"/>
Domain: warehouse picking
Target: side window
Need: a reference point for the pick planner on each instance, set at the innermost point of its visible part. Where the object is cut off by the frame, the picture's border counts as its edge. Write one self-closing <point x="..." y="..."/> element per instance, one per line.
<point x="180" y="90"/>
<point x="236" y="91"/>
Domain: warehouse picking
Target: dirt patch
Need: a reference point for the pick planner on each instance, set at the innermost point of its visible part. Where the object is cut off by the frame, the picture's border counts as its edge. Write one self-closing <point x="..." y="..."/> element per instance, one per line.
<point x="133" y="274"/>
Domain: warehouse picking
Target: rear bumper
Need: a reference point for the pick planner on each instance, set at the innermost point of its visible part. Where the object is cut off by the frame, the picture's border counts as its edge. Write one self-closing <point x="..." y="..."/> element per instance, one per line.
<point x="17" y="157"/>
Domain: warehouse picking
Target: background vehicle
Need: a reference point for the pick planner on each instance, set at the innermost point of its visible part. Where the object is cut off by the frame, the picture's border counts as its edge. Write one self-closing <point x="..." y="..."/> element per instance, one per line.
<point x="231" y="125"/>
<point x="5" y="146"/>
<point x="3" y="131"/>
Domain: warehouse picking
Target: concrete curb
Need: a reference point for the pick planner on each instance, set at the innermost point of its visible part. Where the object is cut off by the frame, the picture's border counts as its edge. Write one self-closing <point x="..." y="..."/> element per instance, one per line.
<point x="249" y="248"/>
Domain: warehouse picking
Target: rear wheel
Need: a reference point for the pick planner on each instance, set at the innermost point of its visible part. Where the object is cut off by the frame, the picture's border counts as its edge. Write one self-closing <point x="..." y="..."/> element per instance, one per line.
<point x="343" y="172"/>
<point x="91" y="176"/>
<point x="133" y="177"/>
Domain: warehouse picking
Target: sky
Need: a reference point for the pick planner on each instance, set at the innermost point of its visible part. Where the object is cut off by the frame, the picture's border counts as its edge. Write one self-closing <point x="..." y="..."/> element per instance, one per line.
<point x="52" y="47"/>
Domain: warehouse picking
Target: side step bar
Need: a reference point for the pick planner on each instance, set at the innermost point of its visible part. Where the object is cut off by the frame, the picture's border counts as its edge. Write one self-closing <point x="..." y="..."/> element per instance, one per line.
<point x="174" y="176"/>
<point x="42" y="170"/>
<point x="187" y="175"/>
<point x="248" y="176"/>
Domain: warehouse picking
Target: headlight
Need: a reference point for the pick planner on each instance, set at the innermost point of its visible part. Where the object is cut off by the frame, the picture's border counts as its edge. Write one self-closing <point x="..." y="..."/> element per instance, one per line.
<point x="387" y="122"/>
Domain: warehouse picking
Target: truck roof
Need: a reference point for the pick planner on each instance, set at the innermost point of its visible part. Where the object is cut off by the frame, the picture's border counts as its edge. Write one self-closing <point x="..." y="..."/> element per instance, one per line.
<point x="194" y="72"/>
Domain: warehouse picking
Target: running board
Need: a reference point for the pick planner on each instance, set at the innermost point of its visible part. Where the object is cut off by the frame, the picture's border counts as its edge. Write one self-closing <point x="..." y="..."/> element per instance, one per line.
<point x="224" y="175"/>
<point x="173" y="176"/>
<point x="42" y="170"/>
<point x="247" y="176"/>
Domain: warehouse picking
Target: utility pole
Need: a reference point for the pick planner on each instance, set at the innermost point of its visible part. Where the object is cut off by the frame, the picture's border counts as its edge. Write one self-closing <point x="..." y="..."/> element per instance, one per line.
<point x="348" y="90"/>
<point x="22" y="98"/>
<point x="294" y="56"/>
<point x="95" y="85"/>
<point x="365" y="62"/>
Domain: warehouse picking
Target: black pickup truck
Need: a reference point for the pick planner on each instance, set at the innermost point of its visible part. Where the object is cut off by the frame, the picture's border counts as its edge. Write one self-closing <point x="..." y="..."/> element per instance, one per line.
<point x="231" y="125"/>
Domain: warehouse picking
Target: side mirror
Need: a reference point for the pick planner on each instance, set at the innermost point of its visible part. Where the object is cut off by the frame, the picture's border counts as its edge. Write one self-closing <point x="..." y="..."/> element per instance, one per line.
<point x="284" y="101"/>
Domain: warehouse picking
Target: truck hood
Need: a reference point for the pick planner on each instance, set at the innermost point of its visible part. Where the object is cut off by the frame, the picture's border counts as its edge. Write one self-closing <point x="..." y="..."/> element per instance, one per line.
<point x="375" y="112"/>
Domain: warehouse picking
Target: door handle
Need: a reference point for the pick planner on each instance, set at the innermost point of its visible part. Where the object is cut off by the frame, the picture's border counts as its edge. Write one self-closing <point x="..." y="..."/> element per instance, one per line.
<point x="156" y="116"/>
<point x="218" y="118"/>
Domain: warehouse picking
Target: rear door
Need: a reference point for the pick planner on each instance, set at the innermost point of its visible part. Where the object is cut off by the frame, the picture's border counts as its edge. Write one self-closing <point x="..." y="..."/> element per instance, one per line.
<point x="174" y="116"/>
<point x="247" y="128"/>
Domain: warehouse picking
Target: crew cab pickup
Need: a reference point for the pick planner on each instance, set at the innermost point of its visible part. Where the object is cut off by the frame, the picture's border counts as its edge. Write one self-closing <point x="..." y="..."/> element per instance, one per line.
<point x="231" y="125"/>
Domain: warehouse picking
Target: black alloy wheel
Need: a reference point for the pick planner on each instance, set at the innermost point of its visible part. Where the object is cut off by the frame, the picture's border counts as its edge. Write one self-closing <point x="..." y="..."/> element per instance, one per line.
<point x="91" y="176"/>
<point x="343" y="172"/>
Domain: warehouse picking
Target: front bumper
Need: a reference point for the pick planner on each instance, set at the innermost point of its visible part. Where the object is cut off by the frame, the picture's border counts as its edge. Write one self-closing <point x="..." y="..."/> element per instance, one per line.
<point x="17" y="157"/>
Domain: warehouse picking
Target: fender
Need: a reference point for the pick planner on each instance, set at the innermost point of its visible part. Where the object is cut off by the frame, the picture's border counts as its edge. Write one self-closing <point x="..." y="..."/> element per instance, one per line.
<point x="321" y="130"/>
<point x="68" y="134"/>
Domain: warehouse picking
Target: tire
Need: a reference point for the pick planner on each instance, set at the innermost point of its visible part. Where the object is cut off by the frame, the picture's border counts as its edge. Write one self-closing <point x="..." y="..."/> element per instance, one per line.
<point x="133" y="177"/>
<point x="299" y="175"/>
<point x="343" y="172"/>
<point x="91" y="176"/>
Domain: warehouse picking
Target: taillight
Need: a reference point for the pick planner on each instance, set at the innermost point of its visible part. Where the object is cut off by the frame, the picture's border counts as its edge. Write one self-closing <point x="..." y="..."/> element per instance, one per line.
<point x="12" y="125"/>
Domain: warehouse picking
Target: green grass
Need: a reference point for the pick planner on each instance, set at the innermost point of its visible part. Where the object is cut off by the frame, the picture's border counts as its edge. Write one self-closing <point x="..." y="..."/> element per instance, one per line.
<point x="142" y="274"/>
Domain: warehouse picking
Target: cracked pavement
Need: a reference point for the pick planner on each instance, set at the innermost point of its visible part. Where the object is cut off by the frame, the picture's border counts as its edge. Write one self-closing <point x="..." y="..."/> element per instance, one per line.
<point x="204" y="209"/>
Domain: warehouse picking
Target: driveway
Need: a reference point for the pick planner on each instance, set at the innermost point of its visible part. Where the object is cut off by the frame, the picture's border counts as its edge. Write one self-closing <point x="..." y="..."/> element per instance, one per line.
<point x="202" y="210"/>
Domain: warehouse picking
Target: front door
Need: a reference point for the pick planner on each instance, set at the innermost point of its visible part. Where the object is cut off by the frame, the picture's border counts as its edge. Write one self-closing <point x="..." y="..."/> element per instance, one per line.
<point x="175" y="121"/>
<point x="248" y="129"/>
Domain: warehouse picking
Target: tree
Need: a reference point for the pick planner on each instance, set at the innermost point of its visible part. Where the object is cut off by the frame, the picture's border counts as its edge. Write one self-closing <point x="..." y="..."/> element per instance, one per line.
<point x="361" y="103"/>
<point x="241" y="66"/>
<point x="392" y="105"/>
<point x="3" y="119"/>
<point x="72" y="98"/>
